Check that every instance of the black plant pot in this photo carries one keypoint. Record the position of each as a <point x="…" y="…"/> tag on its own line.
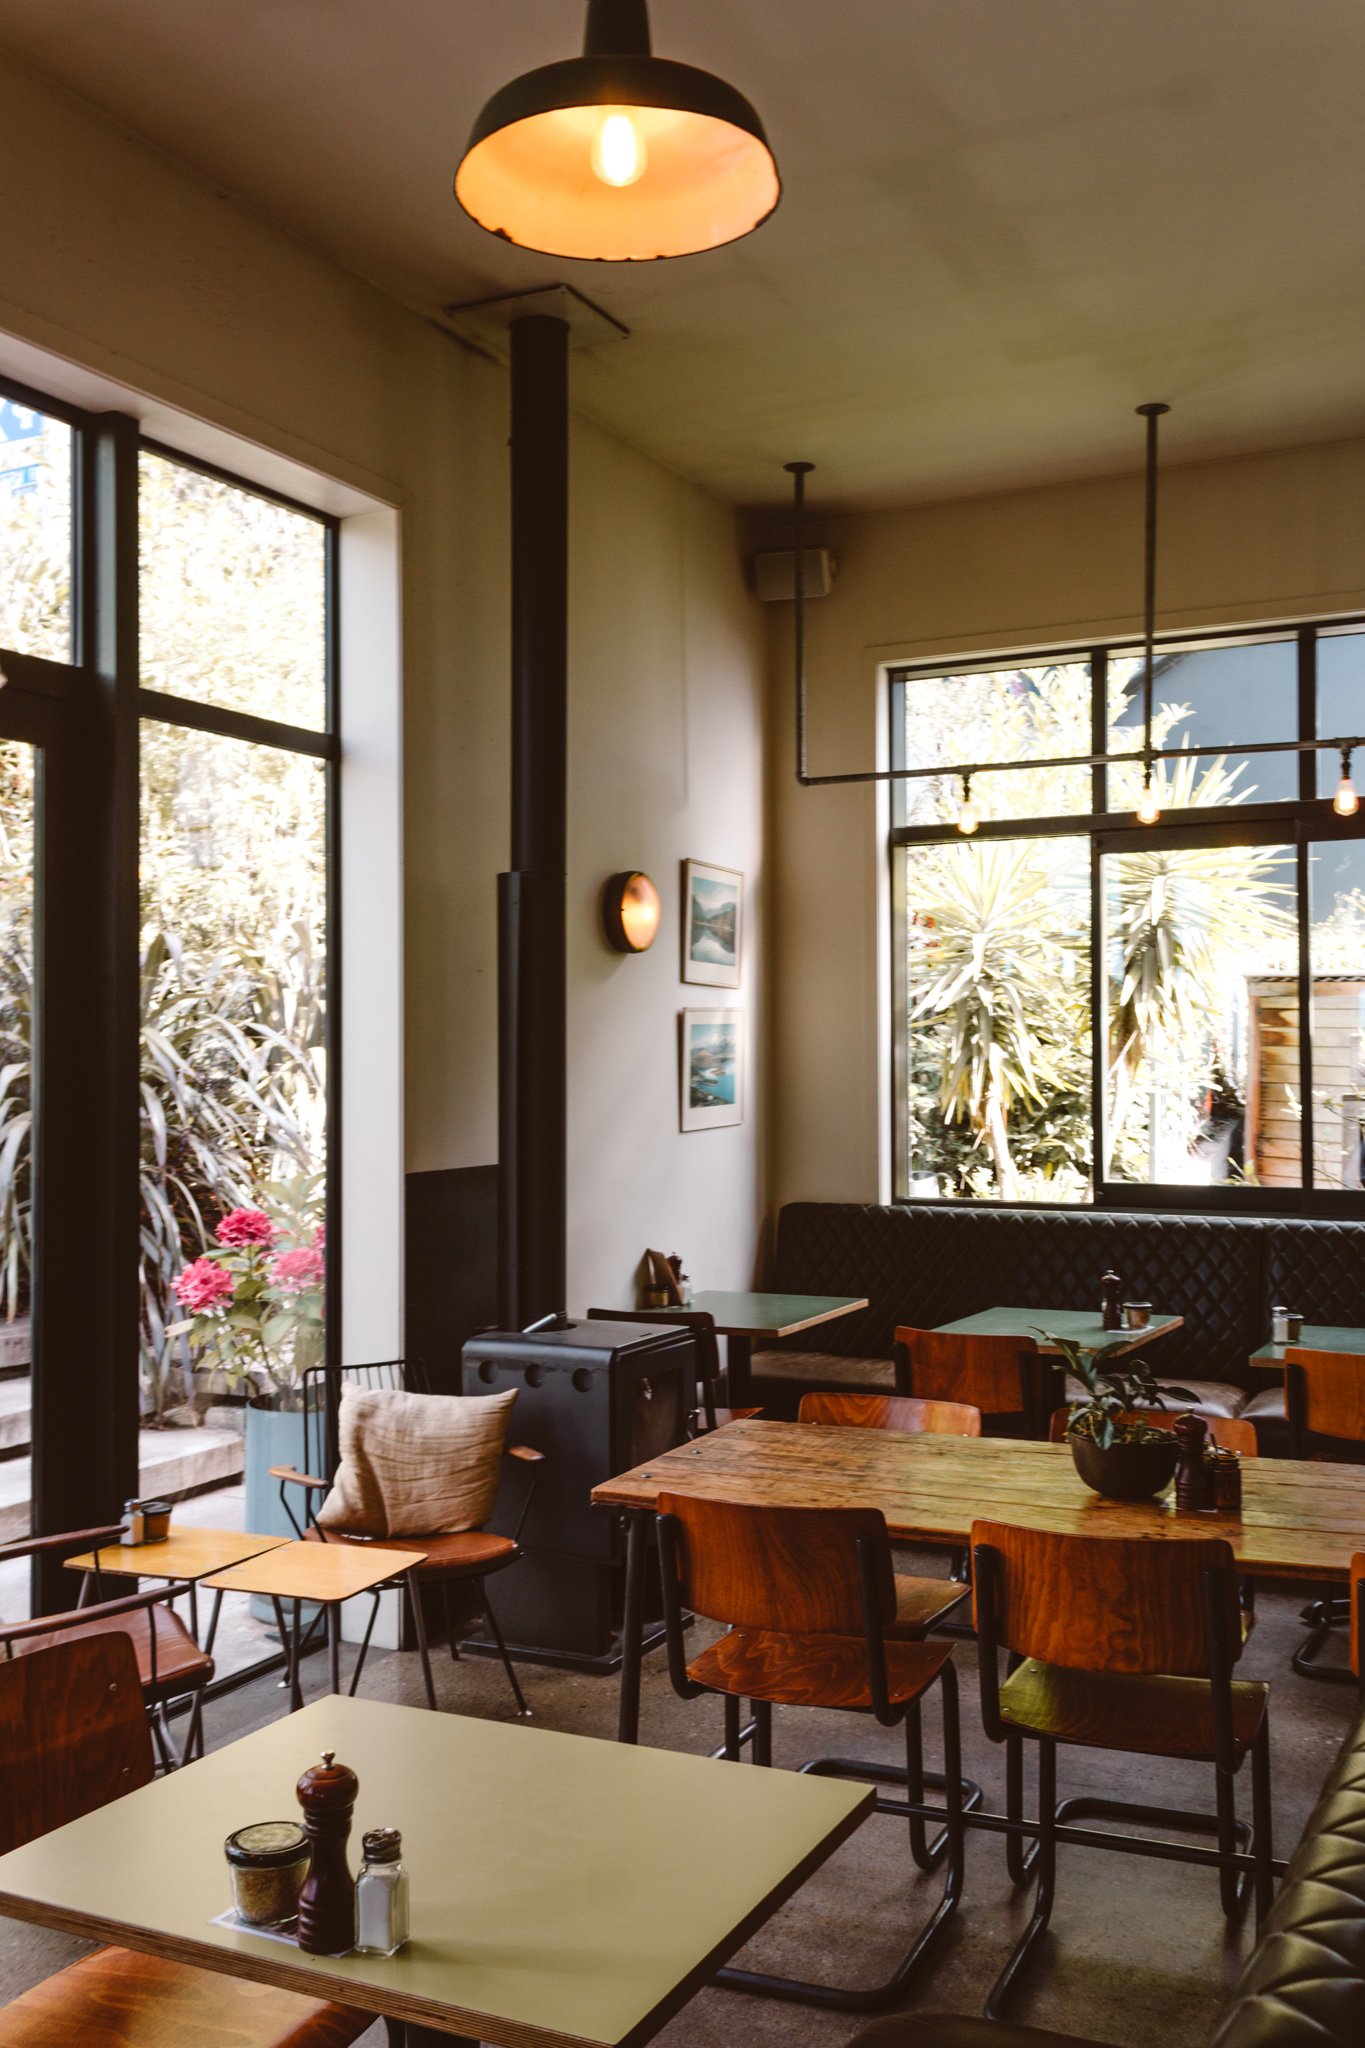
<point x="1126" y="1471"/>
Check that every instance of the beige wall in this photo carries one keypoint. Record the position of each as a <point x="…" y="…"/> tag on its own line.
<point x="1269" y="537"/>
<point x="121" y="263"/>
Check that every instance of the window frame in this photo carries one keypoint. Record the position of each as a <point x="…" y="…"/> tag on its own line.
<point x="1295" y="822"/>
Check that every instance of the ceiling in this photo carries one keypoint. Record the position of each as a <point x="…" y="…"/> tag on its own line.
<point x="1005" y="222"/>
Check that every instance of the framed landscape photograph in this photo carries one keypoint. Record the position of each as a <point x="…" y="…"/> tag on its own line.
<point x="712" y="922"/>
<point x="712" y="1069"/>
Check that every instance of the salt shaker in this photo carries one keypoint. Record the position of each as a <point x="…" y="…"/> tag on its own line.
<point x="327" y="1794"/>
<point x="1279" y="1325"/>
<point x="381" y="1895"/>
<point x="1111" y="1301"/>
<point x="1193" y="1485"/>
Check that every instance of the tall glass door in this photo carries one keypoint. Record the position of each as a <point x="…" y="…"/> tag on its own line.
<point x="18" y="798"/>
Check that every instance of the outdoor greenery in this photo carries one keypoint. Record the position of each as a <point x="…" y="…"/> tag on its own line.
<point x="233" y="967"/>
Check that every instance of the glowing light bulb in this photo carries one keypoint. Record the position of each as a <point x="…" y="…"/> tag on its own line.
<point x="968" y="818"/>
<point x="1346" y="803"/>
<point x="618" y="151"/>
<point x="1148" y="810"/>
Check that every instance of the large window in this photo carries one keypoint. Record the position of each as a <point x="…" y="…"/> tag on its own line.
<point x="1092" y="1010"/>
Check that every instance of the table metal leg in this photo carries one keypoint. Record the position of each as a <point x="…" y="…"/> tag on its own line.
<point x="334" y="1643"/>
<point x="632" y="1628"/>
<point x="739" y="1387"/>
<point x="213" y="1621"/>
<point x="296" y="1689"/>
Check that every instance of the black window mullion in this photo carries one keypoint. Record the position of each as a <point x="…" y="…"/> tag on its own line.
<point x="1305" y="977"/>
<point x="234" y="725"/>
<point x="1308" y="711"/>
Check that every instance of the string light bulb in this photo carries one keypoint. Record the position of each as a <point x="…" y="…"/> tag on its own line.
<point x="1148" y="810"/>
<point x="968" y="818"/>
<point x="1346" y="803"/>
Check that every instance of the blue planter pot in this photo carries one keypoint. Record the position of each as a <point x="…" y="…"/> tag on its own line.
<point x="273" y="1437"/>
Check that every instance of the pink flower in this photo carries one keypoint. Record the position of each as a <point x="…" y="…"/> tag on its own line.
<point x="295" y="1272"/>
<point x="320" y="1237"/>
<point x="242" y="1228"/>
<point x="203" y="1287"/>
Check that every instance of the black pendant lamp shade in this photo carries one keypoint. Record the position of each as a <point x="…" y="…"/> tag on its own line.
<point x="618" y="156"/>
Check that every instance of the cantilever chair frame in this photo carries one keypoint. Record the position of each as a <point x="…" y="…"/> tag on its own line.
<point x="871" y="1568"/>
<point x="405" y="1375"/>
<point x="1252" y="1862"/>
<point x="98" y="1610"/>
<point x="1330" y="1612"/>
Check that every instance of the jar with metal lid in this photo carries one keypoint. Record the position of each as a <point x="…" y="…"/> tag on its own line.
<point x="381" y="1894"/>
<point x="268" y="1862"/>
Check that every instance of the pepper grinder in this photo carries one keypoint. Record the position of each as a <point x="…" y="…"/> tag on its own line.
<point x="1193" y="1480"/>
<point x="1111" y="1301"/>
<point x="327" y="1794"/>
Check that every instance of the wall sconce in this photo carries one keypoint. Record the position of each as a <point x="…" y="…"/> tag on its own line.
<point x="630" y="912"/>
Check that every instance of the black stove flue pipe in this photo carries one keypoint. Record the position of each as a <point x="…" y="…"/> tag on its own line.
<point x="532" y="1193"/>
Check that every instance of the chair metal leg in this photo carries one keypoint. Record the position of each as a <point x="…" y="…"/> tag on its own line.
<point x="287" y="1646"/>
<point x="156" y="1716"/>
<point x="1263" y="1847"/>
<point x="1230" y="1887"/>
<point x="761" y="1748"/>
<point x="734" y="1707"/>
<point x="1019" y="1854"/>
<point x="878" y="1997"/>
<point x="365" y="1642"/>
<point x="419" y="1628"/>
<point x="1323" y="1617"/>
<point x="334" y="1644"/>
<point x="523" y="1711"/>
<point x="452" y="1632"/>
<point x="194" y="1733"/>
<point x="1046" y="1867"/>
<point x="925" y="1858"/>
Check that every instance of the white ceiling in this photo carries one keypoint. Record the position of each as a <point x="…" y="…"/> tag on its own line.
<point x="1005" y="222"/>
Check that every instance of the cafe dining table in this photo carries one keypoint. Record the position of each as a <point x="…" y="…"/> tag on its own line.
<point x="743" y="1317"/>
<point x="325" y="1575"/>
<point x="565" y="1892"/>
<point x="1297" y="1521"/>
<point x="187" y="1553"/>
<point x="1313" y="1337"/>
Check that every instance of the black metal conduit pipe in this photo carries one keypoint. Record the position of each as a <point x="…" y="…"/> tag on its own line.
<point x="532" y="1195"/>
<point x="799" y="471"/>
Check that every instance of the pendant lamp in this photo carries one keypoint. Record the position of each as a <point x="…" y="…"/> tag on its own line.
<point x="1148" y="808"/>
<point x="618" y="156"/>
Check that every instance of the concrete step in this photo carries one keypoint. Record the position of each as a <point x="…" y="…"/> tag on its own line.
<point x="170" y="1462"/>
<point x="15" y="1406"/>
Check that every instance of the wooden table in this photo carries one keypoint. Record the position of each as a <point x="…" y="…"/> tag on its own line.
<point x="740" y="1318"/>
<point x="1315" y="1337"/>
<point x="1297" y="1521"/>
<point x="324" y="1574"/>
<point x="187" y="1553"/>
<point x="566" y="1893"/>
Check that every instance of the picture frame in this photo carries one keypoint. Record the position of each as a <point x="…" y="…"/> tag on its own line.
<point x="711" y="1069"/>
<point x="712" y="924"/>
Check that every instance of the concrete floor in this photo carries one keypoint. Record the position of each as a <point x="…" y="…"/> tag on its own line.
<point x="1139" y="1952"/>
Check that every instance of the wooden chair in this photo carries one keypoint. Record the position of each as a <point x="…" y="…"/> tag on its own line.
<point x="809" y="1599"/>
<point x="890" y="1411"/>
<point x="1001" y="1376"/>
<point x="171" y="1666"/>
<point x="1324" y="1405"/>
<point x="452" y="1558"/>
<point x="1230" y="1433"/>
<point x="1126" y="1644"/>
<point x="706" y="1416"/>
<point x="73" y="1736"/>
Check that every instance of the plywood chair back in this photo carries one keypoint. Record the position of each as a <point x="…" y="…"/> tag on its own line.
<point x="1324" y="1394"/>
<point x="795" y="1571"/>
<point x="73" y="1734"/>
<point x="1229" y="1432"/>
<point x="986" y="1372"/>
<point x="890" y="1411"/>
<point x="1109" y="1603"/>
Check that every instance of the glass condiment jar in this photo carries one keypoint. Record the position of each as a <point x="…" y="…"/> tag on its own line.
<point x="381" y="1894"/>
<point x="268" y="1862"/>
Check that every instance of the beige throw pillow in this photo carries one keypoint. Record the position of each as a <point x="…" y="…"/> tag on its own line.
<point x="416" y="1464"/>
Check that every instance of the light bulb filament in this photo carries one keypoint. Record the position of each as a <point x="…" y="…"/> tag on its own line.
<point x="1148" y="811"/>
<point x="618" y="150"/>
<point x="967" y="818"/>
<point x="1346" y="803"/>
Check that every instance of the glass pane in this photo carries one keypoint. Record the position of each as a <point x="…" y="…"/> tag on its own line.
<point x="1336" y="895"/>
<point x="1201" y="947"/>
<point x="997" y="972"/>
<point x="1008" y="714"/>
<point x="234" y="1134"/>
<point x="16" y="1162"/>
<point x="1341" y="702"/>
<point x="232" y="592"/>
<point x="35" y="532"/>
<point x="1219" y="697"/>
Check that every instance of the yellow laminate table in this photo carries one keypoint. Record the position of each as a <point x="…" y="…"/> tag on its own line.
<point x="187" y="1553"/>
<point x="566" y="1892"/>
<point x="323" y="1574"/>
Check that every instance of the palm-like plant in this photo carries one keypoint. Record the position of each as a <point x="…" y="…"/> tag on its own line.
<point x="1180" y="915"/>
<point x="1001" y="963"/>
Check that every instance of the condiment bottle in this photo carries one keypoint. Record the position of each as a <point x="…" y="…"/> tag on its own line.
<point x="1111" y="1301"/>
<point x="381" y="1894"/>
<point x="1193" y="1487"/>
<point x="1225" y="1473"/>
<point x="327" y="1901"/>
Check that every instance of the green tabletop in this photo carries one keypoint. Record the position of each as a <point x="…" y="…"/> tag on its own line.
<point x="774" y="1315"/>
<point x="1315" y="1337"/>
<point x="564" y="1890"/>
<point x="1083" y="1326"/>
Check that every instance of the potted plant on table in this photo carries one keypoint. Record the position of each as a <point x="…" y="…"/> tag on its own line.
<point x="255" y="1315"/>
<point x="1115" y="1451"/>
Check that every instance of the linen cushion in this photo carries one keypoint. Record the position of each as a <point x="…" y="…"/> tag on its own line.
<point x="414" y="1464"/>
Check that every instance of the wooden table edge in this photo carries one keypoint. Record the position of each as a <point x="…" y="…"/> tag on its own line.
<point x="118" y="1555"/>
<point x="403" y="1560"/>
<point x="847" y="1307"/>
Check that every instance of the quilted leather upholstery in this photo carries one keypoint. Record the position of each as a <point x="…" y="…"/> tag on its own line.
<point x="928" y="1263"/>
